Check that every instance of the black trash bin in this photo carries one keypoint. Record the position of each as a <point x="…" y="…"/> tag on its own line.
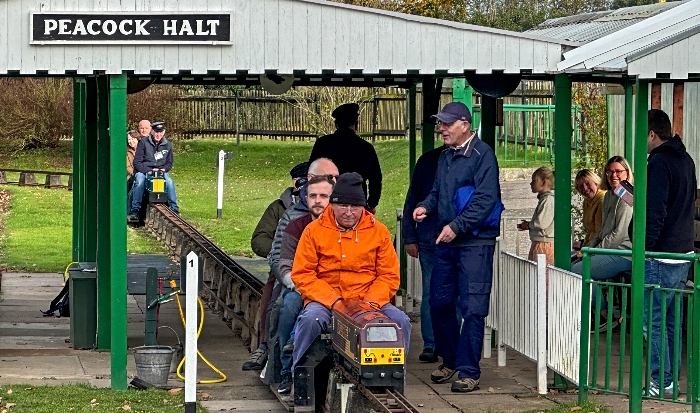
<point x="82" y="299"/>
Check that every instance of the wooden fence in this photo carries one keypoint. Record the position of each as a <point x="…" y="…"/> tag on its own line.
<point x="244" y="113"/>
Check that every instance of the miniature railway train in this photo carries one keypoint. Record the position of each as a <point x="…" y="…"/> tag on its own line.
<point x="156" y="193"/>
<point x="361" y="347"/>
<point x="363" y="342"/>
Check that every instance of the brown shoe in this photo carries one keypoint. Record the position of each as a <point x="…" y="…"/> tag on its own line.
<point x="442" y="374"/>
<point x="465" y="385"/>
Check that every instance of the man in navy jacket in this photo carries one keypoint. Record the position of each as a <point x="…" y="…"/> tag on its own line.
<point x="463" y="269"/>
<point x="419" y="239"/>
<point x="153" y="153"/>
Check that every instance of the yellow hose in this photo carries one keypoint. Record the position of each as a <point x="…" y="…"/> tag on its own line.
<point x="199" y="330"/>
<point x="65" y="273"/>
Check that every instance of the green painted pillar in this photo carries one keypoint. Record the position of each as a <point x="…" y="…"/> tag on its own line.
<point x="639" y="211"/>
<point x="463" y="92"/>
<point x="562" y="168"/>
<point x="488" y="120"/>
<point x="116" y="227"/>
<point x="629" y="122"/>
<point x="79" y="204"/>
<point x="104" y="271"/>
<point x="411" y="130"/>
<point x="90" y="173"/>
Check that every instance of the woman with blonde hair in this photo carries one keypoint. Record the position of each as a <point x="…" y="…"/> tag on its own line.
<point x="588" y="185"/>
<point x="612" y="233"/>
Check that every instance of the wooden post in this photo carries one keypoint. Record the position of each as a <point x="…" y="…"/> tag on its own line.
<point x="678" y="108"/>
<point x="656" y="95"/>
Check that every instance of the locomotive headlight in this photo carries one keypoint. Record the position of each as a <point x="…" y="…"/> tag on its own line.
<point x="381" y="333"/>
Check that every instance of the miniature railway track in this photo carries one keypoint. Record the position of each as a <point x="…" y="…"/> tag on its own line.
<point x="230" y="289"/>
<point x="385" y="400"/>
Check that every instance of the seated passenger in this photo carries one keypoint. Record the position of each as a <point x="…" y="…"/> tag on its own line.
<point x="612" y="233"/>
<point x="318" y="193"/>
<point x="588" y="185"/>
<point x="153" y="153"/>
<point x="345" y="254"/>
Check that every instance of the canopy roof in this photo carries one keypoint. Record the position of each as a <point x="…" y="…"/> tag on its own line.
<point x="306" y="38"/>
<point x="666" y="45"/>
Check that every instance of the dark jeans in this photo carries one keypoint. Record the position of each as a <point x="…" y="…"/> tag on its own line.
<point x="461" y="279"/>
<point x="292" y="305"/>
<point x="667" y="276"/>
<point x="427" y="259"/>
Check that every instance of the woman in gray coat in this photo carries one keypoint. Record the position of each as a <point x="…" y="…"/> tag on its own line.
<point x="612" y="233"/>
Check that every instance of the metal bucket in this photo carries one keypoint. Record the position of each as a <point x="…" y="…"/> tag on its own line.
<point x="153" y="364"/>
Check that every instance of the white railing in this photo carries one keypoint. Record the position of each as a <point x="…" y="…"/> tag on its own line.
<point x="564" y="324"/>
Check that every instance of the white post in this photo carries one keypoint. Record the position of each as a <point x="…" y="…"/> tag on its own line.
<point x="541" y="324"/>
<point x="220" y="193"/>
<point x="191" y="333"/>
<point x="487" y="343"/>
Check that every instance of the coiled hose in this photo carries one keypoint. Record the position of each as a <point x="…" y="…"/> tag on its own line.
<point x="199" y="330"/>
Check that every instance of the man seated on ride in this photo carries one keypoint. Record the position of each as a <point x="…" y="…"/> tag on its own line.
<point x="346" y="254"/>
<point x="154" y="153"/>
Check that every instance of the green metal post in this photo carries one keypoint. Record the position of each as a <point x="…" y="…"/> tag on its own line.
<point x="117" y="227"/>
<point x="411" y="130"/>
<point x="78" y="177"/>
<point x="562" y="167"/>
<point x="488" y="121"/>
<point x="629" y="125"/>
<point x="463" y="92"/>
<point x="694" y="376"/>
<point x="90" y="175"/>
<point x="104" y="291"/>
<point x="638" y="243"/>
<point x="152" y="293"/>
<point x="585" y="328"/>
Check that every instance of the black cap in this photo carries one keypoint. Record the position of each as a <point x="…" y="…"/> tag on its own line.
<point x="300" y="171"/>
<point x="348" y="190"/>
<point x="347" y="112"/>
<point x="158" y="126"/>
<point x="453" y="112"/>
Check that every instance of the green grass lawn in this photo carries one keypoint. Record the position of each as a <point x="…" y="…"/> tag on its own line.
<point x="38" y="236"/>
<point x="84" y="398"/>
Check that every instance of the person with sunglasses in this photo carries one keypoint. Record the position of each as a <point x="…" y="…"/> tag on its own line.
<point x="346" y="254"/>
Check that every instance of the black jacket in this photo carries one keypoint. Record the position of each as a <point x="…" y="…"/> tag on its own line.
<point x="151" y="156"/>
<point x="350" y="153"/>
<point x="671" y="192"/>
<point x="422" y="233"/>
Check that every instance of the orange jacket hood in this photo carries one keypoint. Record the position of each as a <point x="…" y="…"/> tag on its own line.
<point x="331" y="263"/>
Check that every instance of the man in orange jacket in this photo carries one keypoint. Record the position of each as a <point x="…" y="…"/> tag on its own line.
<point x="346" y="254"/>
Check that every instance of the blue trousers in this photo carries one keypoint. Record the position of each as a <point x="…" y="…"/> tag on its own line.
<point x="603" y="267"/>
<point x="288" y="315"/>
<point x="427" y="259"/>
<point x="140" y="186"/>
<point x="461" y="278"/>
<point x="667" y="276"/>
<point x="316" y="318"/>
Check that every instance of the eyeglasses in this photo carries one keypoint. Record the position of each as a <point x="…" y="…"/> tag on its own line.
<point x="447" y="124"/>
<point x="346" y="207"/>
<point x="616" y="171"/>
<point x="328" y="176"/>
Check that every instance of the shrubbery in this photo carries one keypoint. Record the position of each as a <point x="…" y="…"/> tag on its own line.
<point x="38" y="113"/>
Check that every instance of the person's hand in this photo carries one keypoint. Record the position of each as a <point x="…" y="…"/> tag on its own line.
<point x="579" y="254"/>
<point x="412" y="250"/>
<point x="447" y="235"/>
<point x="419" y="214"/>
<point x="150" y="173"/>
<point x="524" y="226"/>
<point x="336" y="303"/>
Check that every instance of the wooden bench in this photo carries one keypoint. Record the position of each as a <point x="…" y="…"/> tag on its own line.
<point x="28" y="178"/>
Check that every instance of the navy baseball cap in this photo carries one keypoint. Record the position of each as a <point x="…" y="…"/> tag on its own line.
<point x="158" y="126"/>
<point x="453" y="112"/>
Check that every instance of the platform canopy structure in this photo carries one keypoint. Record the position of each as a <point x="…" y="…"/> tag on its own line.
<point x="113" y="47"/>
<point x="664" y="48"/>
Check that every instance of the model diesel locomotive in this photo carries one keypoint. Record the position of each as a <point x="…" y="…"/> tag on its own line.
<point x="370" y="343"/>
<point x="364" y="342"/>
